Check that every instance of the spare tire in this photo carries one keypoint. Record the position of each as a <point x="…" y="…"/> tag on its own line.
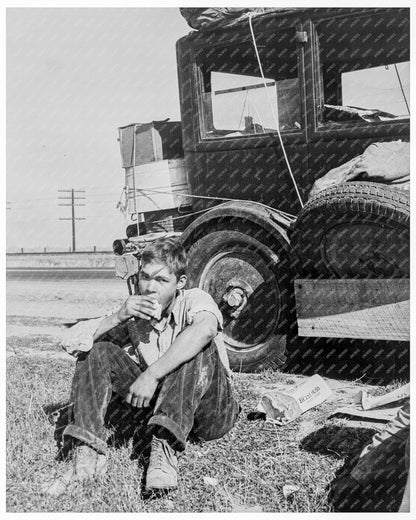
<point x="354" y="230"/>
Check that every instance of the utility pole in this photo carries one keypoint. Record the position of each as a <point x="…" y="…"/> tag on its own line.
<point x="72" y="198"/>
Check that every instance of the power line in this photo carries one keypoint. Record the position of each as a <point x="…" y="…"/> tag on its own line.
<point x="92" y="195"/>
<point x="49" y="204"/>
<point x="50" y="219"/>
<point x="72" y="198"/>
<point x="34" y="219"/>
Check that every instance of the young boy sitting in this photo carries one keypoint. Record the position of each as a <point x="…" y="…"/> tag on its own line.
<point x="162" y="351"/>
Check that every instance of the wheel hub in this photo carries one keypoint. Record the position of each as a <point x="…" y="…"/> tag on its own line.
<point x="236" y="296"/>
<point x="246" y="290"/>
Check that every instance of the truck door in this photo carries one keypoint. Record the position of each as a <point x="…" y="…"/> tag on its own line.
<point x="234" y="150"/>
<point x="358" y="85"/>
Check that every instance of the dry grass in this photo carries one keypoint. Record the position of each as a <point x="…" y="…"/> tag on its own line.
<point x="250" y="465"/>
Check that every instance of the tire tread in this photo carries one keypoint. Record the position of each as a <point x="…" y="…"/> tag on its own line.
<point x="380" y="203"/>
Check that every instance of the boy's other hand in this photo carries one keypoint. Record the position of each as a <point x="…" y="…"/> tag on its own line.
<point x="142" y="390"/>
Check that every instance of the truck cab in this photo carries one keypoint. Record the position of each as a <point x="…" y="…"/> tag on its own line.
<point x="316" y="64"/>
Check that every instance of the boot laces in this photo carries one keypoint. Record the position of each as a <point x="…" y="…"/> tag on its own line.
<point x="162" y="453"/>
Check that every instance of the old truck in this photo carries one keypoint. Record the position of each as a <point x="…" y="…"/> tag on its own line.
<point x="269" y="104"/>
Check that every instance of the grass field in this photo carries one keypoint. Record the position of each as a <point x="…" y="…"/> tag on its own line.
<point x="250" y="465"/>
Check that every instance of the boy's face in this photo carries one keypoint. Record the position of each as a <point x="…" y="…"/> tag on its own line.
<point x="156" y="281"/>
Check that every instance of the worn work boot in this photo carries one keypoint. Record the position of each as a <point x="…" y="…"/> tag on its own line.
<point x="162" y="473"/>
<point x="87" y="464"/>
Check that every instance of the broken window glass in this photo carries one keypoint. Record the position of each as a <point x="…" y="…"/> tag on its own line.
<point x="363" y="72"/>
<point x="235" y="100"/>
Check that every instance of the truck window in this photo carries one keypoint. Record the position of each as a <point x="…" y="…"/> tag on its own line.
<point x="235" y="101"/>
<point x="363" y="72"/>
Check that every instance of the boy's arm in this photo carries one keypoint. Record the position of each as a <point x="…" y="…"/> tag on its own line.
<point x="186" y="346"/>
<point x="135" y="306"/>
<point x="82" y="336"/>
<point x="108" y="323"/>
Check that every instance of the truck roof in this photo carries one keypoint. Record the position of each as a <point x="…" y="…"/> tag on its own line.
<point x="284" y="17"/>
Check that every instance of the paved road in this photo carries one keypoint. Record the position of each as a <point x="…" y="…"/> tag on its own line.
<point x="64" y="273"/>
<point x="64" y="298"/>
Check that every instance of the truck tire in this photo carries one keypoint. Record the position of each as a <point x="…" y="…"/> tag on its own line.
<point x="354" y="230"/>
<point x="232" y="265"/>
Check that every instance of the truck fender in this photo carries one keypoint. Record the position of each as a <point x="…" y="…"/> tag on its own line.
<point x="271" y="220"/>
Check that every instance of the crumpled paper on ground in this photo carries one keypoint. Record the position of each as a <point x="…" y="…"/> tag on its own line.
<point x="282" y="408"/>
<point x="381" y="408"/>
<point x="370" y="402"/>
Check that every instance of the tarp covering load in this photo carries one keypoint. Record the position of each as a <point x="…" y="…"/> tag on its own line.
<point x="208" y="18"/>
<point x="388" y="163"/>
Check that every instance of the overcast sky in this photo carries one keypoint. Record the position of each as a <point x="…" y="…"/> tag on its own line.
<point x="74" y="75"/>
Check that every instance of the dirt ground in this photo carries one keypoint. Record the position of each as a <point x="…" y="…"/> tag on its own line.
<point x="63" y="299"/>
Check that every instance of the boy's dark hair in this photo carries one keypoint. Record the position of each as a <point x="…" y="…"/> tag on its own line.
<point x="167" y="251"/>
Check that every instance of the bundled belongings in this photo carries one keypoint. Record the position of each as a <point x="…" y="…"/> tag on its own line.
<point x="208" y="18"/>
<point x="380" y="479"/>
<point x="387" y="163"/>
